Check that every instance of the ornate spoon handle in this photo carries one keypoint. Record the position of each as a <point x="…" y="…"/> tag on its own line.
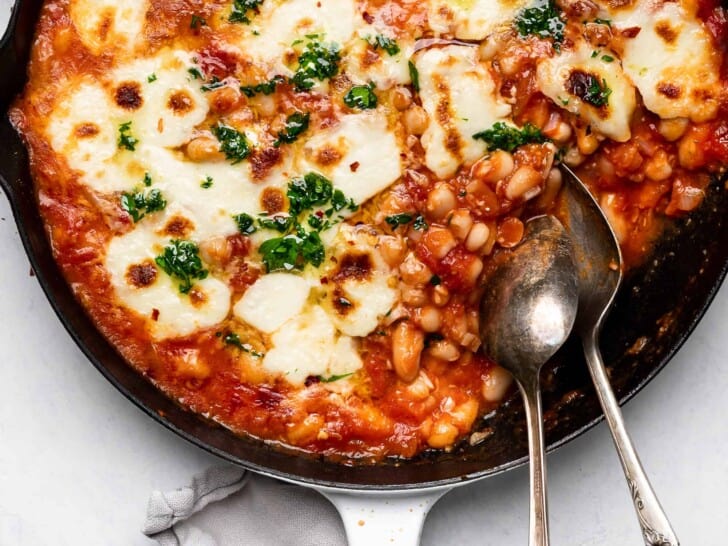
<point x="656" y="529"/>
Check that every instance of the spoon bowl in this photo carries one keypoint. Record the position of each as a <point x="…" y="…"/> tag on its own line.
<point x="527" y="312"/>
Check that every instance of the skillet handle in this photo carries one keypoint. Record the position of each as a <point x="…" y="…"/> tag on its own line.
<point x="383" y="518"/>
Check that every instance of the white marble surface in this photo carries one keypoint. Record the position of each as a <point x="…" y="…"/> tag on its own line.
<point x="77" y="461"/>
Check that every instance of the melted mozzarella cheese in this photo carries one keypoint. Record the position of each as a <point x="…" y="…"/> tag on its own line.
<point x="369" y="298"/>
<point x="108" y="24"/>
<point x="178" y="314"/>
<point x="280" y="24"/>
<point x="157" y="122"/>
<point x="82" y="128"/>
<point x="385" y="70"/>
<point x="307" y="345"/>
<point x="272" y="300"/>
<point x="360" y="155"/>
<point x="459" y="96"/>
<point x="556" y="76"/>
<point x="672" y="60"/>
<point x="472" y="19"/>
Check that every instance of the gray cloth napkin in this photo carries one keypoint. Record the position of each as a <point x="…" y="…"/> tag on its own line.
<point x="229" y="506"/>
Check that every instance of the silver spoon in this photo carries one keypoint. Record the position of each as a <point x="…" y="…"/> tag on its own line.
<point x="599" y="262"/>
<point x="527" y="312"/>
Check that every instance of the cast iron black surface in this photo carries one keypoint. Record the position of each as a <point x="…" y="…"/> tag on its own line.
<point x="658" y="307"/>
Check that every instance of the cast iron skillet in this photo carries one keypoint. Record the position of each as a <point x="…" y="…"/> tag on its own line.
<point x="657" y="308"/>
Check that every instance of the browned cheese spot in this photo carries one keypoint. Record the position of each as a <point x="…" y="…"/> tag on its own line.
<point x="180" y="102"/>
<point x="341" y="302"/>
<point x="272" y="200"/>
<point x="670" y="90"/>
<point x="178" y="226"/>
<point x="579" y="84"/>
<point x="86" y="130"/>
<point x="354" y="266"/>
<point x="262" y="161"/>
<point x="129" y="95"/>
<point x="328" y="155"/>
<point x="666" y="32"/>
<point x="197" y="297"/>
<point x="141" y="275"/>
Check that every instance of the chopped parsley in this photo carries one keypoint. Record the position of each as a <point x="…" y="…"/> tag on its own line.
<point x="292" y="251"/>
<point x="181" y="260"/>
<point x="279" y="222"/>
<point x="607" y="58"/>
<point x="151" y="78"/>
<point x="206" y="183"/>
<point x="296" y="124"/>
<point x="139" y="204"/>
<point x="588" y="88"/>
<point x="607" y="22"/>
<point x="387" y="44"/>
<point x="215" y="83"/>
<point x="420" y="224"/>
<point x="414" y="75"/>
<point x="126" y="141"/>
<point x="266" y="88"/>
<point x="197" y="22"/>
<point x="245" y="223"/>
<point x="233" y="143"/>
<point x="308" y="191"/>
<point x="362" y="97"/>
<point x="239" y="14"/>
<point x="318" y="61"/>
<point x="195" y="73"/>
<point x="297" y="247"/>
<point x="396" y="220"/>
<point x="333" y="378"/>
<point x="543" y="20"/>
<point x="147" y="179"/>
<point x="233" y="339"/>
<point x="508" y="138"/>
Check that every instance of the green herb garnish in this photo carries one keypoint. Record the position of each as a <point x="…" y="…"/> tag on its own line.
<point x="588" y="88"/>
<point x="508" y="138"/>
<point x="139" y="204"/>
<point x="333" y="378"/>
<point x="607" y="58"/>
<point x="234" y="340"/>
<point x="318" y="61"/>
<point x="241" y="8"/>
<point x="147" y="179"/>
<point x="362" y="97"/>
<point x="126" y="141"/>
<point x="245" y="223"/>
<point x="607" y="22"/>
<point x="279" y="222"/>
<point x="296" y="124"/>
<point x="292" y="251"/>
<point x="267" y="88"/>
<point x="197" y="22"/>
<point x="181" y="260"/>
<point x="213" y="84"/>
<point x="543" y="20"/>
<point x="414" y="75"/>
<point x="308" y="191"/>
<point x="387" y="44"/>
<point x="195" y="73"/>
<point x="420" y="224"/>
<point x="396" y="220"/>
<point x="206" y="183"/>
<point x="151" y="78"/>
<point x="233" y="143"/>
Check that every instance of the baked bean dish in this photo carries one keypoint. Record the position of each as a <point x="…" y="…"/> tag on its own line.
<point x="280" y="211"/>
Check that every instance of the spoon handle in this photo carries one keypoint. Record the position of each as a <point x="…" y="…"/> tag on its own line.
<point x="538" y="534"/>
<point x="656" y="529"/>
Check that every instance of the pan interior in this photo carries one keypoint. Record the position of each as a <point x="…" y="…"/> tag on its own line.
<point x="658" y="306"/>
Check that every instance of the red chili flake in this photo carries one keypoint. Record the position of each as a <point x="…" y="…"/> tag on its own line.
<point x="354" y="166"/>
<point x="155" y="314"/>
